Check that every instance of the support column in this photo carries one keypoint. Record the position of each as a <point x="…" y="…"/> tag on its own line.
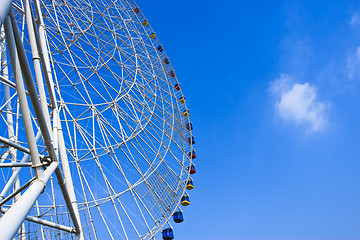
<point x="36" y="61"/>
<point x="4" y="9"/>
<point x="11" y="133"/>
<point x="44" y="56"/>
<point x="20" y="89"/>
<point x="15" y="216"/>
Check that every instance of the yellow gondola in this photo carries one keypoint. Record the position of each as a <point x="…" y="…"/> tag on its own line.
<point x="182" y="99"/>
<point x="145" y="23"/>
<point x="153" y="36"/>
<point x="186" y="113"/>
<point x="189" y="185"/>
<point x="185" y="201"/>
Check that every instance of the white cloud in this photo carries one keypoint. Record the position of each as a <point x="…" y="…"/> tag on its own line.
<point x="355" y="20"/>
<point x="296" y="102"/>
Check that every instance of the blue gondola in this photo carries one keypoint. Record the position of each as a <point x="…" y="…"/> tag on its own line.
<point x="160" y="48"/>
<point x="178" y="217"/>
<point x="166" y="61"/>
<point x="167" y="234"/>
<point x="191" y="140"/>
<point x="189" y="126"/>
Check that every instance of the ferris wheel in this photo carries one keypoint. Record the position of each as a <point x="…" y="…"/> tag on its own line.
<point x="96" y="140"/>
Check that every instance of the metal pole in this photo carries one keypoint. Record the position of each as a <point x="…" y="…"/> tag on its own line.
<point x="46" y="223"/>
<point x="65" y="193"/>
<point x="9" y="83"/>
<point x="14" y="217"/>
<point x="22" y="188"/>
<point x="25" y="68"/>
<point x="10" y="125"/>
<point x="15" y="165"/>
<point x="14" y="145"/>
<point x="20" y="89"/>
<point x="17" y="171"/>
<point x="50" y="224"/>
<point x="67" y="175"/>
<point x="44" y="56"/>
<point x="36" y="60"/>
<point x="4" y="9"/>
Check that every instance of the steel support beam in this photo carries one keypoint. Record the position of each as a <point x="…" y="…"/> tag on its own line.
<point x="7" y="82"/>
<point x="45" y="62"/>
<point x="4" y="9"/>
<point x="20" y="89"/>
<point x="19" y="190"/>
<point x="21" y="65"/>
<point x="46" y="223"/>
<point x="7" y="165"/>
<point x="68" y="178"/>
<point x="14" y="217"/>
<point x="50" y="224"/>
<point x="14" y="145"/>
<point x="26" y="71"/>
<point x="19" y="147"/>
<point x="16" y="173"/>
<point x="37" y="65"/>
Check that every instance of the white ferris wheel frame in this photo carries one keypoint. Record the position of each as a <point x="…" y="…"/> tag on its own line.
<point x="52" y="134"/>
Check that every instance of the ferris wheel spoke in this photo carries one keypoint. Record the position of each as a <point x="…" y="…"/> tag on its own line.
<point x="111" y="192"/>
<point x="85" y="198"/>
<point x="108" y="41"/>
<point x="155" y="151"/>
<point x="133" y="161"/>
<point x="94" y="199"/>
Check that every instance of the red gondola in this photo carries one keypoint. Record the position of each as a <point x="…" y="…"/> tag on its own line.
<point x="172" y="74"/>
<point x="177" y="87"/>
<point x="192" y="169"/>
<point x="137" y="10"/>
<point x="192" y="154"/>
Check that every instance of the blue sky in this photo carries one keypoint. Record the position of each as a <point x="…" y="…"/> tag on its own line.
<point x="273" y="88"/>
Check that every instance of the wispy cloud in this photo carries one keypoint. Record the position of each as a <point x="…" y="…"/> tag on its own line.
<point x="297" y="103"/>
<point x="355" y="20"/>
<point x="353" y="63"/>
